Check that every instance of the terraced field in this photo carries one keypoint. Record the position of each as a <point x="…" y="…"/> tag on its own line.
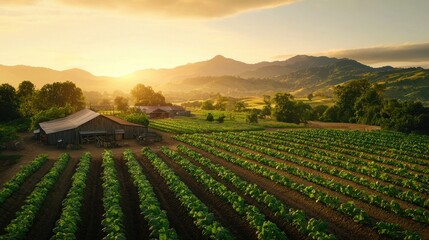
<point x="293" y="184"/>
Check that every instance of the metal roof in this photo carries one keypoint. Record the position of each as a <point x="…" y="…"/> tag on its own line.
<point x="70" y="122"/>
<point x="122" y="121"/>
<point x="150" y="109"/>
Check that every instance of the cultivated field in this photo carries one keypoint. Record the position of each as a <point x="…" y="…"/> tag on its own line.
<point x="291" y="184"/>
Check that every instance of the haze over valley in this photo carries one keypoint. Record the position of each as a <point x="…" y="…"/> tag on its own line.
<point x="299" y="75"/>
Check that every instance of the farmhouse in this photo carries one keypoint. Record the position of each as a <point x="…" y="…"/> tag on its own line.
<point x="80" y="126"/>
<point x="164" y="111"/>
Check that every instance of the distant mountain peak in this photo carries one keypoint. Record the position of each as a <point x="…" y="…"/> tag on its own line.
<point x="218" y="57"/>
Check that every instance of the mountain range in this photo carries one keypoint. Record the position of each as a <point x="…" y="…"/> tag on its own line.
<point x="299" y="75"/>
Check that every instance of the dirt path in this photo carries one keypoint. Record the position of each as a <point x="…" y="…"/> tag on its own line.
<point x="92" y="206"/>
<point x="344" y="126"/>
<point x="176" y="213"/>
<point x="136" y="226"/>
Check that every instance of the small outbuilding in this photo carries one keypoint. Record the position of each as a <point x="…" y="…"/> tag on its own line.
<point x="84" y="125"/>
<point x="164" y="111"/>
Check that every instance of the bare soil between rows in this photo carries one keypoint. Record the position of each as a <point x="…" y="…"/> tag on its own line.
<point x="136" y="227"/>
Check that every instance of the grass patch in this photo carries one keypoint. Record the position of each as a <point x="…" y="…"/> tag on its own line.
<point x="274" y="124"/>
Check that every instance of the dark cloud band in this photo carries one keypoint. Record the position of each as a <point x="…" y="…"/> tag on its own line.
<point x="399" y="53"/>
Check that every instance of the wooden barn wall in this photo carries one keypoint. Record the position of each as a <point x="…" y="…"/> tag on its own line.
<point x="131" y="131"/>
<point x="99" y="123"/>
<point x="68" y="136"/>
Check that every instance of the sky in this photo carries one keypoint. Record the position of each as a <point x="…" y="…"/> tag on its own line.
<point x="118" y="37"/>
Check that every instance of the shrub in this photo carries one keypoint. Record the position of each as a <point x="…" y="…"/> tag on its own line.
<point x="221" y="119"/>
<point x="210" y="117"/>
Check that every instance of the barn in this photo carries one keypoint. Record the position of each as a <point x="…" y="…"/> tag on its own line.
<point x="84" y="124"/>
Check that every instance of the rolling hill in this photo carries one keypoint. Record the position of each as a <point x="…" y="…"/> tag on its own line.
<point x="299" y="75"/>
<point x="41" y="76"/>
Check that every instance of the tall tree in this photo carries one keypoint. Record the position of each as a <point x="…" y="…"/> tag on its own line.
<point x="239" y="106"/>
<point x="26" y="95"/>
<point x="143" y="95"/>
<point x="288" y="110"/>
<point x="347" y="96"/>
<point x="207" y="105"/>
<point x="59" y="95"/>
<point x="8" y="103"/>
<point x="105" y="104"/>
<point x="266" y="109"/>
<point x="26" y="89"/>
<point x="369" y="105"/>
<point x="121" y="103"/>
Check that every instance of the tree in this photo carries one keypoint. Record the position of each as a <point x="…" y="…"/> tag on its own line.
<point x="331" y="114"/>
<point x="25" y="89"/>
<point x="8" y="103"/>
<point x="26" y="95"/>
<point x="408" y="116"/>
<point x="362" y="102"/>
<point x="146" y="96"/>
<point x="347" y="96"/>
<point x="50" y="114"/>
<point x="59" y="94"/>
<point x="207" y="105"/>
<point x="239" y="106"/>
<point x="317" y="112"/>
<point x="105" y="104"/>
<point x="369" y="105"/>
<point x="7" y="134"/>
<point x="288" y="110"/>
<point x="121" y="103"/>
<point x="252" y="117"/>
<point x="266" y="109"/>
<point x="220" y="103"/>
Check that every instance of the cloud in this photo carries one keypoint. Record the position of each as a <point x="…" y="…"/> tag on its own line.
<point x="181" y="8"/>
<point x="17" y="2"/>
<point x="418" y="52"/>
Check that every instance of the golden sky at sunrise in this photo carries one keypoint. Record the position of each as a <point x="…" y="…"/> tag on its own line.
<point x="114" y="37"/>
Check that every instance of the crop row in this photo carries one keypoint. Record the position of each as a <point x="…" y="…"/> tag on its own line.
<point x="359" y="157"/>
<point x="19" y="178"/>
<point x="365" y="149"/>
<point x="399" y="145"/>
<point x="265" y="229"/>
<point x="397" y="176"/>
<point x="417" y="214"/>
<point x="113" y="217"/>
<point x="200" y="126"/>
<point x="314" y="228"/>
<point x="67" y="225"/>
<point x="149" y="205"/>
<point x="348" y="208"/>
<point x="203" y="218"/>
<point x="267" y="146"/>
<point x="19" y="226"/>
